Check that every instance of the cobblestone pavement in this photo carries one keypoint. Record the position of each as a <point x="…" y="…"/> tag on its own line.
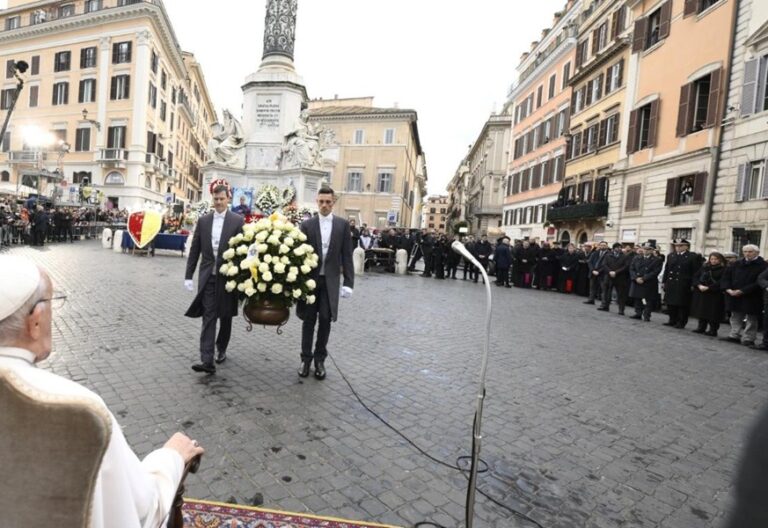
<point x="591" y="419"/>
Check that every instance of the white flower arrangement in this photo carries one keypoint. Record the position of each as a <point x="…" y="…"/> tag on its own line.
<point x="269" y="260"/>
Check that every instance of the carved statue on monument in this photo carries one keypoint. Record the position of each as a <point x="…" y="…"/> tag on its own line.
<point x="280" y="27"/>
<point x="225" y="147"/>
<point x="301" y="148"/>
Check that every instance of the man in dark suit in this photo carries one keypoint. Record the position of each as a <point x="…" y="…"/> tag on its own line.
<point x="212" y="300"/>
<point x="331" y="238"/>
<point x="680" y="267"/>
<point x="644" y="276"/>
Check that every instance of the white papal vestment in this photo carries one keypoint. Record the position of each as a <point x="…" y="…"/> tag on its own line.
<point x="129" y="493"/>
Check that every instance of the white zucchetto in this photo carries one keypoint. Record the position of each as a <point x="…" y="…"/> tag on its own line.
<point x="19" y="279"/>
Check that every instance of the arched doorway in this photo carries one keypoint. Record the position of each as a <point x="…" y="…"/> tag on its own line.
<point x="565" y="238"/>
<point x="583" y="238"/>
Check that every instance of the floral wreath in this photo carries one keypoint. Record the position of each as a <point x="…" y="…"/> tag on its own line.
<point x="289" y="195"/>
<point x="269" y="199"/>
<point x="220" y="181"/>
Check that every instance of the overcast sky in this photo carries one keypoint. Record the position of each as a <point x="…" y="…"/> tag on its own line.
<point x="450" y="60"/>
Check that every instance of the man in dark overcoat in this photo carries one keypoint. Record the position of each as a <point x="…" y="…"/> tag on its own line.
<point x="595" y="267"/>
<point x="502" y="256"/>
<point x="744" y="295"/>
<point x="615" y="271"/>
<point x="212" y="301"/>
<point x="679" y="270"/>
<point x="483" y="251"/>
<point x="644" y="281"/>
<point x="331" y="238"/>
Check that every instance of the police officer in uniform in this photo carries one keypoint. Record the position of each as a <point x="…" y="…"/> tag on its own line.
<point x="678" y="281"/>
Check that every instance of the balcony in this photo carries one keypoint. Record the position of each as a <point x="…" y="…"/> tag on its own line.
<point x="112" y="156"/>
<point x="25" y="156"/>
<point x="580" y="211"/>
<point x="152" y="162"/>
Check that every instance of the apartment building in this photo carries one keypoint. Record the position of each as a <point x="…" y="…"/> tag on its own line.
<point x="435" y="214"/>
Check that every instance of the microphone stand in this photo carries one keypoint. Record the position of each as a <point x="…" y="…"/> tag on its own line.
<point x="459" y="248"/>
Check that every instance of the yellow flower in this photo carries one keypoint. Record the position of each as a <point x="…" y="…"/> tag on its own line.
<point x="274" y="216"/>
<point x="255" y="273"/>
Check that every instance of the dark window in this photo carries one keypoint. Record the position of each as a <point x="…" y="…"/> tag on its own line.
<point x="5" y="175"/>
<point x="10" y="68"/>
<point x="6" y="96"/>
<point x="88" y="57"/>
<point x="644" y="127"/>
<point x="163" y="109"/>
<point x="633" y="197"/>
<point x="116" y="137"/>
<point x="7" y="142"/>
<point x="12" y="23"/>
<point x="643" y="124"/>
<point x="694" y="7"/>
<point x="121" y="52"/>
<point x="752" y="181"/>
<point x="60" y="93"/>
<point x="742" y="237"/>
<point x="566" y="74"/>
<point x="92" y="5"/>
<point x="154" y="61"/>
<point x="66" y="10"/>
<point x="163" y="80"/>
<point x="83" y="139"/>
<point x="87" y="92"/>
<point x="651" y="29"/>
<point x="699" y="104"/>
<point x="654" y="26"/>
<point x="120" y="87"/>
<point x="34" y="67"/>
<point x="539" y="94"/>
<point x="61" y="61"/>
<point x="152" y="95"/>
<point x="686" y="190"/>
<point x="552" y="83"/>
<point x="34" y="92"/>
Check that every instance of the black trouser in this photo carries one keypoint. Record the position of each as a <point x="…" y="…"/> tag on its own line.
<point x="678" y="315"/>
<point x="621" y="291"/>
<point x="208" y="333"/>
<point x="595" y="287"/>
<point x="714" y="326"/>
<point x="644" y="307"/>
<point x="414" y="258"/>
<point x="321" y="310"/>
<point x="468" y="268"/>
<point x="502" y="276"/>
<point x="484" y="264"/>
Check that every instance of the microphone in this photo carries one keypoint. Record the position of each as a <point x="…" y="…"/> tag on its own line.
<point x="459" y="248"/>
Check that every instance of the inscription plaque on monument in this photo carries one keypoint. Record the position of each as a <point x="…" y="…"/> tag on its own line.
<point x="268" y="111"/>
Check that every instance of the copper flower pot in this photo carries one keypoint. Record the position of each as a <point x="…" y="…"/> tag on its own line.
<point x="266" y="312"/>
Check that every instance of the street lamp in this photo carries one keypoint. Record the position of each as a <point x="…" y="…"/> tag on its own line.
<point x="91" y="121"/>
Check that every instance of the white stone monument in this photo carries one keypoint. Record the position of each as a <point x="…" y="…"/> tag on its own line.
<point x="275" y="145"/>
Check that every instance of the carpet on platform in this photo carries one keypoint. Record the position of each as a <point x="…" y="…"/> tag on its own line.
<point x="205" y="514"/>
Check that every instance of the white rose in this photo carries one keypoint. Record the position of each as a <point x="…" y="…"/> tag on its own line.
<point x="283" y="249"/>
<point x="248" y="236"/>
<point x="242" y="250"/>
<point x="278" y="225"/>
<point x="288" y="241"/>
<point x="310" y="299"/>
<point x="241" y="287"/>
<point x="249" y="291"/>
<point x="311" y="284"/>
<point x="261" y="236"/>
<point x="230" y="286"/>
<point x="232" y="271"/>
<point x="276" y="288"/>
<point x="299" y="251"/>
<point x="223" y="269"/>
<point x="232" y="242"/>
<point x="302" y="238"/>
<point x="285" y="260"/>
<point x="264" y="223"/>
<point x="293" y="270"/>
<point x="239" y="237"/>
<point x="263" y="267"/>
<point x="248" y="283"/>
<point x="296" y="294"/>
<point x="262" y="287"/>
<point x="291" y="277"/>
<point x="279" y="267"/>
<point x="267" y="258"/>
<point x="273" y="240"/>
<point x="245" y="264"/>
<point x="305" y="269"/>
<point x="266" y="276"/>
<point x="228" y="254"/>
<point x="276" y="233"/>
<point x="262" y="248"/>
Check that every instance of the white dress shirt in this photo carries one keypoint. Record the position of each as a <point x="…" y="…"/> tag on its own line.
<point x="218" y="225"/>
<point x="326" y="228"/>
<point x="129" y="493"/>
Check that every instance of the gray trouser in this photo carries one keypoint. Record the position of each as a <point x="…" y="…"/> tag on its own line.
<point x="750" y="330"/>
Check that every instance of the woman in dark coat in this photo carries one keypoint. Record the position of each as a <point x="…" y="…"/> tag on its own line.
<point x="708" y="303"/>
<point x="569" y="265"/>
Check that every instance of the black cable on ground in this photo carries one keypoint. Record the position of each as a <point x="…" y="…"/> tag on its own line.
<point x="456" y="467"/>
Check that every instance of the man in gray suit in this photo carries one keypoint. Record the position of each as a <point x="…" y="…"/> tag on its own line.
<point x="212" y="300"/>
<point x="331" y="238"/>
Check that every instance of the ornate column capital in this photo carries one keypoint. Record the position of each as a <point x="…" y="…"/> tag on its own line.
<point x="280" y="28"/>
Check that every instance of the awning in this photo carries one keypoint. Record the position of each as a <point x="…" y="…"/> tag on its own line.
<point x="22" y="190"/>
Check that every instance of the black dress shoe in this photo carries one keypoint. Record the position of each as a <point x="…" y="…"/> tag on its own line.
<point x="319" y="370"/>
<point x="602" y="309"/>
<point x="589" y="302"/>
<point x="221" y="357"/>
<point x="203" y="367"/>
<point x="698" y="330"/>
<point x="621" y="312"/>
<point x="636" y="316"/>
<point x="304" y="369"/>
<point x="670" y="323"/>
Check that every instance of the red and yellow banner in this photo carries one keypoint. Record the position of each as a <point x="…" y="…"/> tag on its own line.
<point x="143" y="226"/>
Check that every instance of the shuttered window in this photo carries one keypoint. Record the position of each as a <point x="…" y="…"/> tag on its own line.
<point x="651" y="29"/>
<point x="633" y="197"/>
<point x="686" y="190"/>
<point x="643" y="124"/>
<point x="699" y="103"/>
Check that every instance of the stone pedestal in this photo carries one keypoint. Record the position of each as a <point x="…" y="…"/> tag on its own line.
<point x="118" y="236"/>
<point x="401" y="262"/>
<point x="358" y="260"/>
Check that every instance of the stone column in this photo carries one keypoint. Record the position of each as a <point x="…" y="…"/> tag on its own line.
<point x="102" y="90"/>
<point x="139" y="90"/>
<point x="279" y="30"/>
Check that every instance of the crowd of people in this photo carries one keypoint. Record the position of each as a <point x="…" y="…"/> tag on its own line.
<point x="36" y="223"/>
<point x="722" y="288"/>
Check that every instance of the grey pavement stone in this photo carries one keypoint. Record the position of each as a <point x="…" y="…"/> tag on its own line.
<point x="590" y="419"/>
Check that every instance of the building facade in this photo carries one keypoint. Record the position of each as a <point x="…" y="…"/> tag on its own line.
<point x="673" y="115"/>
<point x="457" y="197"/>
<point x="539" y="105"/>
<point x="379" y="172"/>
<point x="597" y="98"/>
<point x="435" y="214"/>
<point x="487" y="169"/>
<point x="740" y="211"/>
<point x="110" y="102"/>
